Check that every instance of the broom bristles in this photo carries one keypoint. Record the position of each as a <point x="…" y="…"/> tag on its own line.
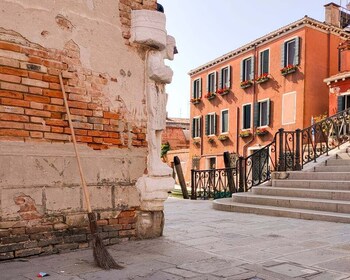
<point x="101" y="256"/>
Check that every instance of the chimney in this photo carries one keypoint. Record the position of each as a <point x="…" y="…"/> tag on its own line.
<point x="344" y="49"/>
<point x="332" y="14"/>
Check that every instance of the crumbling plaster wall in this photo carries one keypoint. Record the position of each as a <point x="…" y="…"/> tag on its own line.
<point x="40" y="193"/>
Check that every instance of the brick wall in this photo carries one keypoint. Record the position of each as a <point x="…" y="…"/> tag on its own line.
<point x="31" y="100"/>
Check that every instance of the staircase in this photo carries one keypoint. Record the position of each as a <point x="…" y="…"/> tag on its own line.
<point x="320" y="193"/>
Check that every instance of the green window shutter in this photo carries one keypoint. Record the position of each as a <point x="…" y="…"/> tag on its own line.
<point x="256" y="114"/>
<point x="283" y="47"/>
<point x="215" y="122"/>
<point x="242" y="61"/>
<point x="297" y="48"/>
<point x="341" y="103"/>
<point x="251" y="74"/>
<point x="200" y="127"/>
<point x="207" y="89"/>
<point x="228" y="84"/>
<point x="200" y="87"/>
<point x="266" y="62"/>
<point x="268" y="111"/>
<point x="206" y="124"/>
<point x="193" y="128"/>
<point x="220" y="78"/>
<point x="215" y="81"/>
<point x="193" y="82"/>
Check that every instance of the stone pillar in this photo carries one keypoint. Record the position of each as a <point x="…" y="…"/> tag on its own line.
<point x="148" y="30"/>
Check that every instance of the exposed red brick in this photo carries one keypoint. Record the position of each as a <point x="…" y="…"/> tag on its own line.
<point x="112" y="141"/>
<point x="37" y="127"/>
<point x="98" y="120"/>
<point x="98" y="146"/>
<point x="35" y="75"/>
<point x="35" y="59"/>
<point x="35" y="83"/>
<point x="54" y="122"/>
<point x="35" y="52"/>
<point x="11" y="94"/>
<point x="78" y="90"/>
<point x="13" y="117"/>
<point x="77" y="104"/>
<point x="14" y="87"/>
<point x="83" y="98"/>
<point x="54" y="86"/>
<point x="82" y="132"/>
<point x="55" y="108"/>
<point x="13" y="132"/>
<point x="57" y="101"/>
<point x="15" y="102"/>
<point x="51" y="79"/>
<point x="57" y="129"/>
<point x="14" y="71"/>
<point x="114" y="135"/>
<point x="97" y="140"/>
<point x="98" y="133"/>
<point x="38" y="113"/>
<point x="54" y="64"/>
<point x="81" y="112"/>
<point x="53" y="93"/>
<point x="112" y="128"/>
<point x="36" y="105"/>
<point x="37" y="120"/>
<point x="110" y="115"/>
<point x="10" y="47"/>
<point x="85" y="139"/>
<point x="56" y="115"/>
<point x="17" y="125"/>
<point x="10" y="78"/>
<point x="35" y="90"/>
<point x="57" y="136"/>
<point x="36" y="134"/>
<point x="37" y="98"/>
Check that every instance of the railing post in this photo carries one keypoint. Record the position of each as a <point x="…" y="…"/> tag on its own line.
<point x="228" y="167"/>
<point x="193" y="191"/>
<point x="297" y="150"/>
<point x="281" y="161"/>
<point x="241" y="172"/>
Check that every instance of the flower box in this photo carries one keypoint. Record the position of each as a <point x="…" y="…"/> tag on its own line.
<point x="246" y="84"/>
<point x="223" y="137"/>
<point x="223" y="91"/>
<point x="262" y="79"/>
<point x="195" y="100"/>
<point x="196" y="142"/>
<point x="211" y="140"/>
<point x="261" y="131"/>
<point x="245" y="133"/>
<point x="210" y="95"/>
<point x="288" y="69"/>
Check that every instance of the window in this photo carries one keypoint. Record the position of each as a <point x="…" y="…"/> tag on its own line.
<point x="197" y="88"/>
<point x="196" y="127"/>
<point x="247" y="69"/>
<point x="225" y="77"/>
<point x="210" y="124"/>
<point x="262" y="113"/>
<point x="264" y="62"/>
<point x="246" y="117"/>
<point x="290" y="53"/>
<point x="211" y="83"/>
<point x="224" y="121"/>
<point x="343" y="102"/>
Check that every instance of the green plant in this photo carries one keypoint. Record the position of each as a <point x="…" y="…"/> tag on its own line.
<point x="164" y="149"/>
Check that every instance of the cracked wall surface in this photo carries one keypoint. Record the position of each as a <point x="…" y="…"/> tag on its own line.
<point x="42" y="208"/>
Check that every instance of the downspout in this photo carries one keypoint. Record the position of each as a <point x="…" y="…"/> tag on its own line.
<point x="245" y="147"/>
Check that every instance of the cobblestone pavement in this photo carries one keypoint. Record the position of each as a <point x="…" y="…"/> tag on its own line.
<point x="202" y="243"/>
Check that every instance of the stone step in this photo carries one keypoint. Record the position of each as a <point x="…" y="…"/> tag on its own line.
<point x="330" y="176"/>
<point x="226" y="204"/>
<point x="322" y="168"/>
<point x="312" y="184"/>
<point x="306" y="193"/>
<point x="342" y="155"/>
<point x="340" y="206"/>
<point x="337" y="162"/>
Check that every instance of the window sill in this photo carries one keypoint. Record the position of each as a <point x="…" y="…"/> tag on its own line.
<point x="243" y="86"/>
<point x="263" y="80"/>
<point x="289" y="71"/>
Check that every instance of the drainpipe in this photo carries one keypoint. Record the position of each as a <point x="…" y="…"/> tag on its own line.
<point x="245" y="147"/>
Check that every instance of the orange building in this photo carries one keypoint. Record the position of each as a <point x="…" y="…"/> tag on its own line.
<point x="242" y="98"/>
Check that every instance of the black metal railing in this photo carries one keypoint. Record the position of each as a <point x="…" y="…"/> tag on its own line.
<point x="288" y="151"/>
<point x="213" y="183"/>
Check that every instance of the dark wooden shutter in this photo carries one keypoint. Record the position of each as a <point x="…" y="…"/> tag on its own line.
<point x="268" y="111"/>
<point x="215" y="81"/>
<point x="341" y="103"/>
<point x="283" y="49"/>
<point x="256" y="114"/>
<point x="193" y="82"/>
<point x="193" y="127"/>
<point x="215" y="124"/>
<point x="207" y="90"/>
<point x="242" y="68"/>
<point x="221" y="77"/>
<point x="251" y="74"/>
<point x="265" y="62"/>
<point x="206" y="124"/>
<point x="200" y="88"/>
<point x="297" y="48"/>
<point x="228" y="84"/>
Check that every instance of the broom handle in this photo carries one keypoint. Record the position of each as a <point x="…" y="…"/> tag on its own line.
<point x="83" y="183"/>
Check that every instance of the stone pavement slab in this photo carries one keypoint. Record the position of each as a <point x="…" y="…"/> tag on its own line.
<point x="202" y="243"/>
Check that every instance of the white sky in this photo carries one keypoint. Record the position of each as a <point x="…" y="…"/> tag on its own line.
<point x="207" y="29"/>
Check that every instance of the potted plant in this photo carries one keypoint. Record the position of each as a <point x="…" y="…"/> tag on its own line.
<point x="196" y="142"/>
<point x="223" y="137"/>
<point x="195" y="100"/>
<point x="246" y="84"/>
<point x="262" y="78"/>
<point x="245" y="133"/>
<point x="223" y="91"/>
<point x="261" y="131"/>
<point x="210" y="95"/>
<point x="288" y="69"/>
<point x="211" y="140"/>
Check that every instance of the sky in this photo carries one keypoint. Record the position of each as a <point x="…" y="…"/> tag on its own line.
<point x="207" y="29"/>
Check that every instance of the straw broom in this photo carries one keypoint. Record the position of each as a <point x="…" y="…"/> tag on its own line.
<point x="101" y="256"/>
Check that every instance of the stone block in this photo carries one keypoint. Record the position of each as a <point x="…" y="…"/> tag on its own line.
<point x="100" y="197"/>
<point x="66" y="247"/>
<point x="11" y="247"/>
<point x="6" y="256"/>
<point x="77" y="220"/>
<point x="24" y="203"/>
<point x="149" y="224"/>
<point x="75" y="238"/>
<point x="63" y="199"/>
<point x="126" y="196"/>
<point x="148" y="28"/>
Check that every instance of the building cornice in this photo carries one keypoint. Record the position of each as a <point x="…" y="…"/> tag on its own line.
<point x="304" y="22"/>
<point x="337" y="78"/>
